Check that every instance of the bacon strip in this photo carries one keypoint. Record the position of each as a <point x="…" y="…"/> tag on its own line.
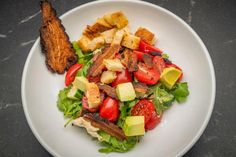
<point x="97" y="66"/>
<point x="55" y="44"/>
<point x="140" y="87"/>
<point x="108" y="90"/>
<point x="105" y="125"/>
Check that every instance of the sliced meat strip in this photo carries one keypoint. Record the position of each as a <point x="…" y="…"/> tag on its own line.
<point x="140" y="87"/>
<point x="105" y="125"/>
<point x="55" y="44"/>
<point x="108" y="90"/>
<point x="97" y="66"/>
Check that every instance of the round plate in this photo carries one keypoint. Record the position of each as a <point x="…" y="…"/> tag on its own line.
<point x="182" y="124"/>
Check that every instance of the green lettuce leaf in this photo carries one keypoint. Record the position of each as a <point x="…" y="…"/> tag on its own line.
<point x="125" y="108"/>
<point x="84" y="70"/>
<point x="69" y="107"/>
<point x="181" y="92"/>
<point x="82" y="58"/>
<point x="162" y="99"/>
<point x="78" y="52"/>
<point x="112" y="144"/>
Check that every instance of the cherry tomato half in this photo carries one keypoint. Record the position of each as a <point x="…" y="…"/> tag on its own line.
<point x="139" y="55"/>
<point x="109" y="109"/>
<point x="159" y="63"/>
<point x="118" y="56"/>
<point x="145" y="75"/>
<point x="145" y="47"/>
<point x="122" y="77"/>
<point x="175" y="66"/>
<point x="143" y="108"/>
<point x="86" y="106"/>
<point x="154" y="120"/>
<point x="70" y="75"/>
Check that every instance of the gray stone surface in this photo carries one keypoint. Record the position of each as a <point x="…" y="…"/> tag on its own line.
<point x="213" y="20"/>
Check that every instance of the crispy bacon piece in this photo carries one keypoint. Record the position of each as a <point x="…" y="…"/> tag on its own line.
<point x="105" y="125"/>
<point x="130" y="60"/>
<point x="148" y="60"/>
<point x="60" y="55"/>
<point x="140" y="87"/>
<point x="108" y="90"/>
<point x="97" y="66"/>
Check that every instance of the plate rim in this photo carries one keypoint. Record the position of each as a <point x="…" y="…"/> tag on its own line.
<point x="200" y="131"/>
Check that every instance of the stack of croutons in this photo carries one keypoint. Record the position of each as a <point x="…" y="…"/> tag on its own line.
<point x="113" y="28"/>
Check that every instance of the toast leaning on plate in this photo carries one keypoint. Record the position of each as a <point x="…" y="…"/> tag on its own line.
<point x="60" y="55"/>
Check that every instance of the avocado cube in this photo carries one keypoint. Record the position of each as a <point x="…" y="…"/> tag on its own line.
<point x="80" y="83"/>
<point x="134" y="126"/>
<point x="125" y="91"/>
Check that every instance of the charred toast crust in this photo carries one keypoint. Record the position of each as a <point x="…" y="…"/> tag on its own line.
<point x="59" y="57"/>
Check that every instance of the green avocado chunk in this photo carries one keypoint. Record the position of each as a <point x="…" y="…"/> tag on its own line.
<point x="134" y="126"/>
<point x="80" y="83"/>
<point x="125" y="91"/>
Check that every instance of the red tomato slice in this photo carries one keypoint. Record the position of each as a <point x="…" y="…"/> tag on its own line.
<point x="175" y="66"/>
<point x="145" y="47"/>
<point x="109" y="109"/>
<point x="118" y="56"/>
<point x="154" y="120"/>
<point x="145" y="75"/>
<point x="159" y="63"/>
<point x="122" y="77"/>
<point x="139" y="55"/>
<point x="143" y="108"/>
<point x="86" y="106"/>
<point x="70" y="75"/>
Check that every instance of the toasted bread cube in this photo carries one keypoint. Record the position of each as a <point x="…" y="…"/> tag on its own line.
<point x="118" y="37"/>
<point x="109" y="35"/>
<point x="89" y="45"/>
<point x="96" y="43"/>
<point x="145" y="35"/>
<point x="117" y="19"/>
<point x="89" y="33"/>
<point x="83" y="43"/>
<point x="104" y="23"/>
<point x="108" y="77"/>
<point x="131" y="41"/>
<point x="113" y="64"/>
<point x="97" y="27"/>
<point x="93" y="95"/>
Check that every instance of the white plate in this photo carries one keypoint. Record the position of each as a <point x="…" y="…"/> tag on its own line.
<point x="182" y="124"/>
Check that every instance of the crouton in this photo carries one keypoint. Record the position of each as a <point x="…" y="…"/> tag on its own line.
<point x="89" y="33"/>
<point x="93" y="95"/>
<point x="145" y="35"/>
<point x="108" y="77"/>
<point x="83" y="43"/>
<point x="131" y="41"/>
<point x="103" y="22"/>
<point x="117" y="19"/>
<point x="118" y="37"/>
<point x="96" y="43"/>
<point x="109" y="35"/>
<point x="98" y="27"/>
<point x="89" y="45"/>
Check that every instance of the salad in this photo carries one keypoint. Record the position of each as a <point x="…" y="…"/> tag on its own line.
<point x="121" y="85"/>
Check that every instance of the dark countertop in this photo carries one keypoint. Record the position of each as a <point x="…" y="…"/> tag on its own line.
<point x="213" y="20"/>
